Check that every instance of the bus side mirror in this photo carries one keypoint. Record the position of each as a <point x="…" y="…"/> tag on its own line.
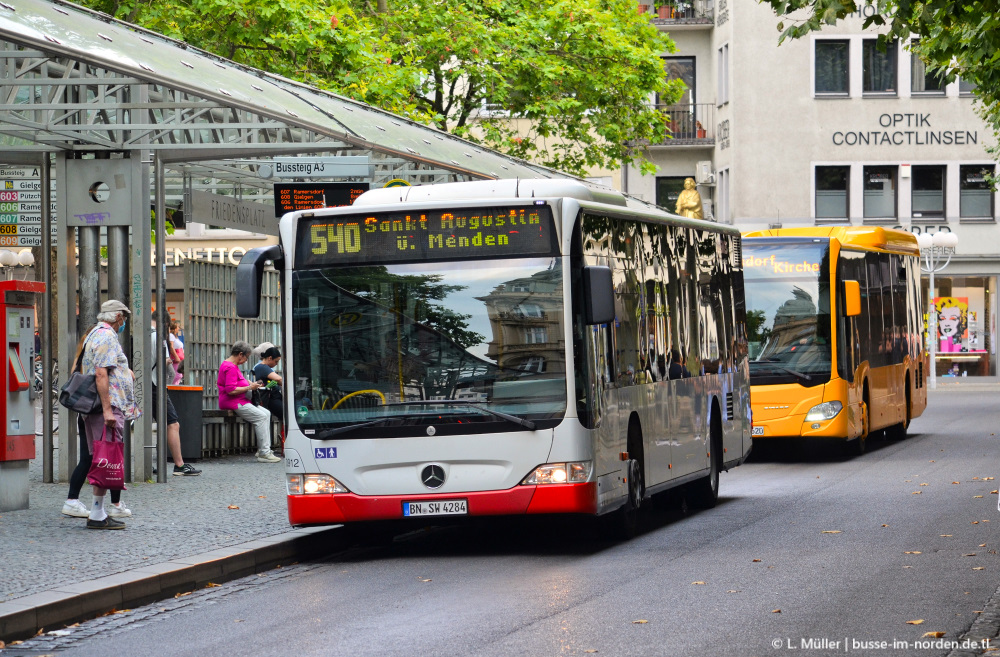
<point x="852" y="298"/>
<point x="598" y="295"/>
<point x="250" y="277"/>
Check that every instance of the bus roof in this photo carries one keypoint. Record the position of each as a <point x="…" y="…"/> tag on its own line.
<point x="503" y="188"/>
<point x="869" y="238"/>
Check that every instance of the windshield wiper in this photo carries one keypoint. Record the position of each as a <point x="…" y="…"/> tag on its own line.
<point x="323" y="435"/>
<point x="787" y="370"/>
<point x="527" y="424"/>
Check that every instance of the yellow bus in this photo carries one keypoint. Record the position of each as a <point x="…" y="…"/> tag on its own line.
<point x="834" y="328"/>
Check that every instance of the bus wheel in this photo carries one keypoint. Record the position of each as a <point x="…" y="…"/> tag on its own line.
<point x="859" y="445"/>
<point x="704" y="493"/>
<point x="623" y="523"/>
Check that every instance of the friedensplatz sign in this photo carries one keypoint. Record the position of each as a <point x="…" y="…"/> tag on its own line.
<point x="217" y="210"/>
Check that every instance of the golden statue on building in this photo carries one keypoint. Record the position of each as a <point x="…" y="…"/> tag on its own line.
<point x="689" y="201"/>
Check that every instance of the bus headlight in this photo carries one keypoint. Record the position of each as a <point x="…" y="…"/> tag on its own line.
<point x="824" y="411"/>
<point x="299" y="484"/>
<point x="575" y="472"/>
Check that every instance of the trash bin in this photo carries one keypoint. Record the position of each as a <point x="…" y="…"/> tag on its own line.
<point x="187" y="403"/>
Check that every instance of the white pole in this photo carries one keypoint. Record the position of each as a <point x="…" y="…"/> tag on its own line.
<point x="932" y="322"/>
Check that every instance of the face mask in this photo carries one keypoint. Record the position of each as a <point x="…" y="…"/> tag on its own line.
<point x="121" y="329"/>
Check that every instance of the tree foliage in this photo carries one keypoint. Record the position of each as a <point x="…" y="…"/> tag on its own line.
<point x="956" y="37"/>
<point x="568" y="82"/>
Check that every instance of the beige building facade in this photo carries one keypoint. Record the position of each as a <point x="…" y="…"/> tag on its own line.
<point x="826" y="130"/>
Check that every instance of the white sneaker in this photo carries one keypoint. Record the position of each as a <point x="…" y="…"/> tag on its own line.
<point x="119" y="510"/>
<point x="267" y="457"/>
<point x="75" y="509"/>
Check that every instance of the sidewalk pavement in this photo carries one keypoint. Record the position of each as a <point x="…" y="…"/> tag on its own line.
<point x="229" y="522"/>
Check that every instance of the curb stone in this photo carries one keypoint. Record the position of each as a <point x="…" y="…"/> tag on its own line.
<point x="986" y="626"/>
<point x="23" y="617"/>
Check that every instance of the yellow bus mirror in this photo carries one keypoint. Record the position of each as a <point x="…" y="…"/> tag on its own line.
<point x="852" y="298"/>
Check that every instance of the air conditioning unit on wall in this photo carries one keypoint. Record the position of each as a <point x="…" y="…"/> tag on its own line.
<point x="704" y="173"/>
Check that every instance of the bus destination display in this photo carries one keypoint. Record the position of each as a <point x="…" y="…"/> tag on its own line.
<point x="427" y="235"/>
<point x="290" y="197"/>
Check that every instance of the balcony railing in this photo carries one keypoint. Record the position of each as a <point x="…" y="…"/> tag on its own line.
<point x="690" y="125"/>
<point x="692" y="12"/>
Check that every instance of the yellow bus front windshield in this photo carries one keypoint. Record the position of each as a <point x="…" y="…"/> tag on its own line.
<point x="788" y="311"/>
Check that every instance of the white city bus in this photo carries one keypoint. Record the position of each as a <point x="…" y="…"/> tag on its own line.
<point x="505" y="348"/>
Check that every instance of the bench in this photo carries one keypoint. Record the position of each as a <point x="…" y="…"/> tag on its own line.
<point x="224" y="432"/>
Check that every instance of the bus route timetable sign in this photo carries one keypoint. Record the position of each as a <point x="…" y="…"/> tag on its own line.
<point x="20" y="207"/>
<point x="442" y="234"/>
<point x="290" y="197"/>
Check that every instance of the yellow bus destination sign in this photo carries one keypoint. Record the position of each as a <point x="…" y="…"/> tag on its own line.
<point x="770" y="259"/>
<point x="425" y="235"/>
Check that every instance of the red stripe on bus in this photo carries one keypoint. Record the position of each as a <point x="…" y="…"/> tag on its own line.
<point x="348" y="507"/>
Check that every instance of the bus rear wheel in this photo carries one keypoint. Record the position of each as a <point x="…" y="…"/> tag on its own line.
<point x="704" y="493"/>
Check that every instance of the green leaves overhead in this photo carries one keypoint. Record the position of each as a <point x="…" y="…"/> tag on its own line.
<point x="565" y="83"/>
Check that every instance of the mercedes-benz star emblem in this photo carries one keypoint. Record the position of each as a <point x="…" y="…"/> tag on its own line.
<point x="432" y="476"/>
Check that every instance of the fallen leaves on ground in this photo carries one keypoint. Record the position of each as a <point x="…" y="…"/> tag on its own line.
<point x="640" y="622"/>
<point x="232" y="506"/>
<point x="970" y="554"/>
<point x="946" y="535"/>
<point x="917" y="492"/>
<point x="913" y="552"/>
<point x="212" y="585"/>
<point x="919" y="621"/>
<point x="934" y="635"/>
<point x="732" y="591"/>
<point x="976" y="497"/>
<point x="831" y="531"/>
<point x="756" y="561"/>
<point x="775" y="611"/>
<point x="698" y="583"/>
<point x="181" y="595"/>
<point x="979" y="568"/>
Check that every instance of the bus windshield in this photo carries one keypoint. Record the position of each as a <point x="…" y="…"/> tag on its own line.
<point x="429" y="349"/>
<point x="788" y="311"/>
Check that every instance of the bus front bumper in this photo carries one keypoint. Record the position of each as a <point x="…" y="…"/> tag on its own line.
<point x="328" y="509"/>
<point x="795" y="426"/>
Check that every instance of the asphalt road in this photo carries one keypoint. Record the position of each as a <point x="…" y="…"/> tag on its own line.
<point x="807" y="554"/>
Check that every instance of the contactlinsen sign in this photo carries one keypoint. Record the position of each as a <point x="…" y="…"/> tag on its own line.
<point x="906" y="129"/>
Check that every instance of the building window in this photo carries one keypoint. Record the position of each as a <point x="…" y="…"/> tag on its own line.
<point x="831" y="192"/>
<point x="533" y="364"/>
<point x="927" y="192"/>
<point x="975" y="195"/>
<point x="529" y="310"/>
<point x="966" y="88"/>
<point x="878" y="69"/>
<point x="681" y="68"/>
<point x="880" y="192"/>
<point x="922" y="81"/>
<point x="536" y="335"/>
<point x="832" y="67"/>
<point x="723" y="214"/>
<point x="668" y="188"/>
<point x="723" y="78"/>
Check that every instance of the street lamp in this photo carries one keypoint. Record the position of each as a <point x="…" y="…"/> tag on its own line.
<point x="934" y="248"/>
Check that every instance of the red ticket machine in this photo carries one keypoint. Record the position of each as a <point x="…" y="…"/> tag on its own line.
<point x="17" y="413"/>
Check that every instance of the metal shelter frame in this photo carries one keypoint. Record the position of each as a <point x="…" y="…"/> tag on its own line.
<point x="79" y="84"/>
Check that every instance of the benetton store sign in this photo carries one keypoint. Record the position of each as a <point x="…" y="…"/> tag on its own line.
<point x="906" y="129"/>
